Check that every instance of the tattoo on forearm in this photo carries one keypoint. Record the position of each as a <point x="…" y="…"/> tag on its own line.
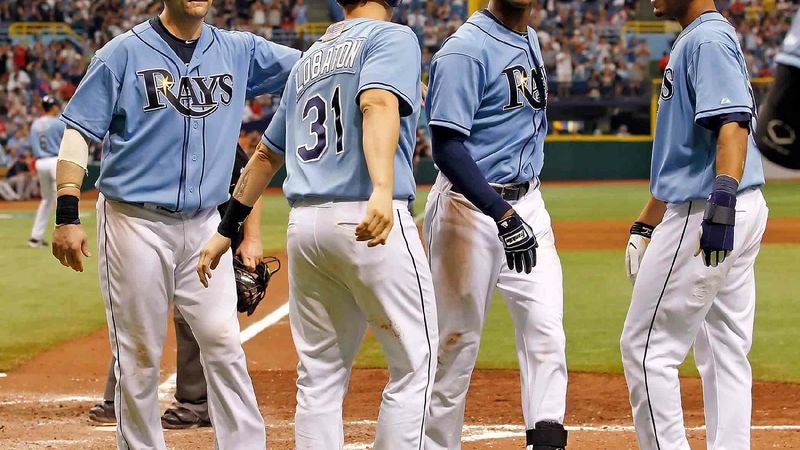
<point x="242" y="185"/>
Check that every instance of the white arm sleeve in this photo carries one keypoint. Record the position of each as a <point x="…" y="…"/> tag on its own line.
<point x="74" y="148"/>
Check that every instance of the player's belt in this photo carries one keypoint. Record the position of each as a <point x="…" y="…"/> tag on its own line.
<point x="509" y="192"/>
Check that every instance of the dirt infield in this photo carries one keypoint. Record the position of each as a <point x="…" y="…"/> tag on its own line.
<point x="43" y="404"/>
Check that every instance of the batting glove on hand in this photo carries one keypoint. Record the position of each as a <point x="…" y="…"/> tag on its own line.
<point x="641" y="233"/>
<point x="719" y="220"/>
<point x="519" y="243"/>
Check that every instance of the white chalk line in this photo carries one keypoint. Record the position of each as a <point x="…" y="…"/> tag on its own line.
<point x="166" y="388"/>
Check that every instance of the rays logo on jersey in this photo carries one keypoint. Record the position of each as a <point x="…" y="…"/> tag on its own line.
<point x="667" y="87"/>
<point x="197" y="96"/>
<point x="327" y="61"/>
<point x="533" y="87"/>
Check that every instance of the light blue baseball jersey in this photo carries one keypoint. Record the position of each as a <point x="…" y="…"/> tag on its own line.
<point x="790" y="55"/>
<point x="45" y="136"/>
<point x="318" y="125"/>
<point x="173" y="127"/>
<point x="706" y="77"/>
<point x="489" y="83"/>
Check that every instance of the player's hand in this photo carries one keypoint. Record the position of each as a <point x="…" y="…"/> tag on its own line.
<point x="70" y="246"/>
<point x="634" y="252"/>
<point x="518" y="241"/>
<point x="210" y="255"/>
<point x="424" y="88"/>
<point x="716" y="230"/>
<point x="379" y="220"/>
<point x="250" y="252"/>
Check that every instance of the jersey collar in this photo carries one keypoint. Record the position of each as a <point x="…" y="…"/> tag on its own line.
<point x="704" y="17"/>
<point x="149" y="36"/>
<point x="501" y="25"/>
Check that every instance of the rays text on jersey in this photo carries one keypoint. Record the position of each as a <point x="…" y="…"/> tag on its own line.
<point x="533" y="87"/>
<point x="326" y="61"/>
<point x="196" y="96"/>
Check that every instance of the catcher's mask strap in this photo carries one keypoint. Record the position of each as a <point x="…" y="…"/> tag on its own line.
<point x="272" y="261"/>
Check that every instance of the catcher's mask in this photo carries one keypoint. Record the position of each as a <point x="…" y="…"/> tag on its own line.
<point x="251" y="286"/>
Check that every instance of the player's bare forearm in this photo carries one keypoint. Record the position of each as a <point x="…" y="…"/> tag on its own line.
<point x="257" y="175"/>
<point x="69" y="178"/>
<point x="381" y="133"/>
<point x="70" y="244"/>
<point x="653" y="212"/>
<point x="732" y="150"/>
<point x="381" y="125"/>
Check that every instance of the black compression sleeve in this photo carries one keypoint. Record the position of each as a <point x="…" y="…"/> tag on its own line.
<point x="455" y="162"/>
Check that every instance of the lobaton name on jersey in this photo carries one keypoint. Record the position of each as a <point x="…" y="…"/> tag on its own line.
<point x="338" y="58"/>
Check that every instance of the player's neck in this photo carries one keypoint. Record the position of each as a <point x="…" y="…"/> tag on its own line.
<point x="694" y="10"/>
<point x="514" y="18"/>
<point x="369" y="10"/>
<point x="184" y="28"/>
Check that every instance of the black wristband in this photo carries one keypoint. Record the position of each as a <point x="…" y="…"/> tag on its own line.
<point x="642" y="229"/>
<point x="67" y="210"/>
<point x="235" y="215"/>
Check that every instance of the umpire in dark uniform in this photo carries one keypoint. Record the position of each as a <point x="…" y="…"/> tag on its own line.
<point x="191" y="403"/>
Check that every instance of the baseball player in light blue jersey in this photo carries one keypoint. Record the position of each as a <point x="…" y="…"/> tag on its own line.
<point x="45" y="138"/>
<point x="692" y="249"/>
<point x="346" y="130"/>
<point x="487" y="106"/>
<point x="779" y="124"/>
<point x="169" y="93"/>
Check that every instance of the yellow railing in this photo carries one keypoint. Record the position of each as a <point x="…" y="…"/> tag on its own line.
<point x="651" y="26"/>
<point x="313" y="28"/>
<point x="35" y="28"/>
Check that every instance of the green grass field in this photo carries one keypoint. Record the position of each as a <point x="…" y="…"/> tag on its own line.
<point x="44" y="303"/>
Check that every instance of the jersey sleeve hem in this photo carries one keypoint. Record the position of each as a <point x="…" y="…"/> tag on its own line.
<point x="700" y="115"/>
<point x="272" y="146"/>
<point x="788" y="60"/>
<point x="450" y="126"/>
<point x="406" y="105"/>
<point x="82" y="129"/>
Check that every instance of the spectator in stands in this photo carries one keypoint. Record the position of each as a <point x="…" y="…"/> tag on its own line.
<point x="564" y="72"/>
<point x="20" y="176"/>
<point x="300" y="12"/>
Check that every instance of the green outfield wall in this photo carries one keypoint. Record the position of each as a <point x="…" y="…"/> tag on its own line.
<point x="564" y="160"/>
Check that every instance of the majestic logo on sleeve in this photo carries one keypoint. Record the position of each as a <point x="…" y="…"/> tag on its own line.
<point x="193" y="97"/>
<point x="533" y="87"/>
<point x="668" y="87"/>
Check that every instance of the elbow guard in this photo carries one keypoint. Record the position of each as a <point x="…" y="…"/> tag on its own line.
<point x="779" y="120"/>
<point x="74" y="148"/>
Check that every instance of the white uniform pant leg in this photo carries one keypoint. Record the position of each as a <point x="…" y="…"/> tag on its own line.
<point x="726" y="336"/>
<point x="212" y="316"/>
<point x="46" y="171"/>
<point x="465" y="262"/>
<point x="672" y="297"/>
<point x="392" y="286"/>
<point x="536" y="303"/>
<point x="136" y="280"/>
<point x="327" y="329"/>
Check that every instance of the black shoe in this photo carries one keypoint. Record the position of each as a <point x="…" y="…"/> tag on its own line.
<point x="182" y="419"/>
<point x="103" y="412"/>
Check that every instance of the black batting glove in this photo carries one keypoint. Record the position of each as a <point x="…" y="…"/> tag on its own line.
<point x="519" y="243"/>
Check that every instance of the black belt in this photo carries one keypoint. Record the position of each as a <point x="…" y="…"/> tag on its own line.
<point x="510" y="192"/>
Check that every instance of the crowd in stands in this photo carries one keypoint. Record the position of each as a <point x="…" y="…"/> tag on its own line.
<point x="585" y="48"/>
